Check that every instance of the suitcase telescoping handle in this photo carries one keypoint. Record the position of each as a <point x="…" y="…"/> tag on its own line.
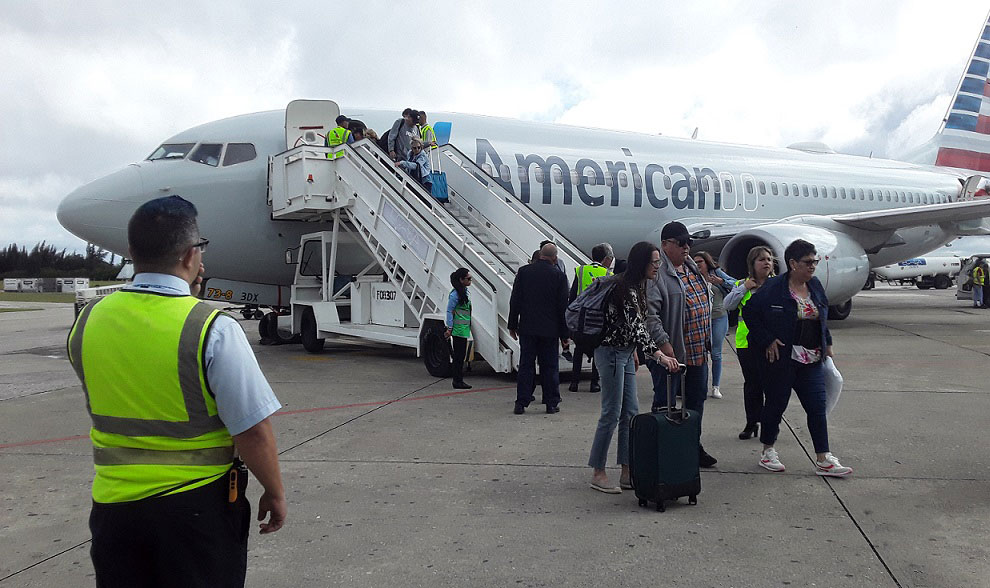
<point x="671" y="399"/>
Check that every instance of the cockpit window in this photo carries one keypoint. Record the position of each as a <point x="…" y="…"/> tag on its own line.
<point x="171" y="151"/>
<point x="207" y="153"/>
<point x="239" y="153"/>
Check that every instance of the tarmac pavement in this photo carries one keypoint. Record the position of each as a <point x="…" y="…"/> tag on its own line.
<point x="396" y="479"/>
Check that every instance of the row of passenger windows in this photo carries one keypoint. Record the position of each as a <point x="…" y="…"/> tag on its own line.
<point x="206" y="153"/>
<point x="710" y="185"/>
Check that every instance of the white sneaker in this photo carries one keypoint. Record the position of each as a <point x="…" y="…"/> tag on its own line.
<point x="770" y="461"/>
<point x="715" y="392"/>
<point x="830" y="466"/>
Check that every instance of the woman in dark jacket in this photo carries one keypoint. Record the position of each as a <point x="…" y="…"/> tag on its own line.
<point x="787" y="318"/>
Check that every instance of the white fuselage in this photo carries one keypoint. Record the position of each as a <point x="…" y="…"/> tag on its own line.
<point x="593" y="185"/>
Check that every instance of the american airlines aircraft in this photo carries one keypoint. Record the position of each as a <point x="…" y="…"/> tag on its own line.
<point x="593" y="185"/>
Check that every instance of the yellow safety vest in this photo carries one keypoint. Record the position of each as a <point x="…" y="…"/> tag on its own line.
<point x="428" y="136"/>
<point x="156" y="431"/>
<point x="462" y="320"/>
<point x="337" y="136"/>
<point x="742" y="331"/>
<point x="979" y="276"/>
<point x="587" y="274"/>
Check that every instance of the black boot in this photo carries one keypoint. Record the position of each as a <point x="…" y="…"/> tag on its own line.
<point x="460" y="385"/>
<point x="751" y="430"/>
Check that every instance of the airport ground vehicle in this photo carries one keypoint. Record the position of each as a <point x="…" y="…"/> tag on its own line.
<point x="923" y="272"/>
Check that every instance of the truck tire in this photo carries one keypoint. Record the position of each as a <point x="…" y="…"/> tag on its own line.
<point x="942" y="282"/>
<point x="308" y="327"/>
<point x="840" y="312"/>
<point x="435" y="350"/>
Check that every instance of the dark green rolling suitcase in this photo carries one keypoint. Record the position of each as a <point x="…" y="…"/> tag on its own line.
<point x="663" y="460"/>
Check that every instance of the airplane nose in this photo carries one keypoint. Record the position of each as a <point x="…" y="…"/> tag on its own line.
<point x="98" y="212"/>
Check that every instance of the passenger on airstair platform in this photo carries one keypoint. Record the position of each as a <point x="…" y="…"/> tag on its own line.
<point x="426" y="131"/>
<point x="401" y="135"/>
<point x="418" y="165"/>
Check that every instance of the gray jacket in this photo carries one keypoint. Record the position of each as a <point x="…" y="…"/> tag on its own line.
<point x="666" y="305"/>
<point x="400" y="138"/>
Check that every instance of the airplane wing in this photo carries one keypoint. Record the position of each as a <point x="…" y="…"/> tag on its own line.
<point x="914" y="216"/>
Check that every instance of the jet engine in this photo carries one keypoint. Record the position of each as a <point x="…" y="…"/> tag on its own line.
<point x="843" y="269"/>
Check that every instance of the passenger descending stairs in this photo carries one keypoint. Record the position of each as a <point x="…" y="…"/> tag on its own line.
<point x="417" y="241"/>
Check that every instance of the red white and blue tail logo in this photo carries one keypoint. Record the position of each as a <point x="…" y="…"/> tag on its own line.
<point x="964" y="138"/>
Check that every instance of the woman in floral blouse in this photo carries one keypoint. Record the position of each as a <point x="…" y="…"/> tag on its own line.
<point x="625" y="331"/>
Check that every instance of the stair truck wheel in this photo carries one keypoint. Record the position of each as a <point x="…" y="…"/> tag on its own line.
<point x="435" y="350"/>
<point x="840" y="312"/>
<point x="308" y="327"/>
<point x="266" y="326"/>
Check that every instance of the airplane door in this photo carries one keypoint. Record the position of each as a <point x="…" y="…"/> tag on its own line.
<point x="307" y="122"/>
<point x="751" y="198"/>
<point x="728" y="190"/>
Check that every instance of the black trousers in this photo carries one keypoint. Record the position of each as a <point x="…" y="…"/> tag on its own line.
<point x="544" y="350"/>
<point x="753" y="364"/>
<point x="579" y="354"/>
<point x="189" y="540"/>
<point x="457" y="361"/>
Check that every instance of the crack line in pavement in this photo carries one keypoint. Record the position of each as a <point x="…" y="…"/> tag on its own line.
<point x="565" y="466"/>
<point x="7" y="577"/>
<point x="842" y="503"/>
<point x="366" y="413"/>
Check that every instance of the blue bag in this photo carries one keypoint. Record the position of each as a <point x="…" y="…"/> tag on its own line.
<point x="438" y="179"/>
<point x="438" y="186"/>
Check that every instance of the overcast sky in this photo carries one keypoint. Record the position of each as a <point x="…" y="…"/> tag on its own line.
<point x="88" y="87"/>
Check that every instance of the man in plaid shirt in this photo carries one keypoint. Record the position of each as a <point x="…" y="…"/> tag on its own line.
<point x="679" y="321"/>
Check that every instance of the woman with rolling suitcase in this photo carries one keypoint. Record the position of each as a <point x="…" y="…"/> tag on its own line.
<point x="624" y="331"/>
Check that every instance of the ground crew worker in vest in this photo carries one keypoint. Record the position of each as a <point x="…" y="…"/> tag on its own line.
<point x="426" y="132"/>
<point x="339" y="135"/>
<point x="979" y="279"/>
<point x="759" y="262"/>
<point x="174" y="393"/>
<point x="602" y="257"/>
<point x="459" y="322"/>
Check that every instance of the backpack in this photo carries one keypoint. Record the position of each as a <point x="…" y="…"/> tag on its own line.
<point x="383" y="141"/>
<point x="585" y="316"/>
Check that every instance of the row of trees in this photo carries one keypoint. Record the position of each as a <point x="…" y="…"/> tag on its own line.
<point x="45" y="261"/>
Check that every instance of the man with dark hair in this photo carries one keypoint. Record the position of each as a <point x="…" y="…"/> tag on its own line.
<point x="174" y="392"/>
<point x="601" y="259"/>
<point x="536" y="319"/>
<point x="401" y="135"/>
<point x="679" y="320"/>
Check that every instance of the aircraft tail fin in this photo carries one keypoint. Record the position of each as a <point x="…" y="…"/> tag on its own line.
<point x="963" y="139"/>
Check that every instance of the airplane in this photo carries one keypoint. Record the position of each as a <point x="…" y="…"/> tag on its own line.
<point x="593" y="185"/>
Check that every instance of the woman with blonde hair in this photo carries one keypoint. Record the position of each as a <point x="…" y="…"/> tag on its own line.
<point x="759" y="264"/>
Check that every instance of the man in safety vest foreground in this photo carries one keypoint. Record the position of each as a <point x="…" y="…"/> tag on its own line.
<point x="174" y="391"/>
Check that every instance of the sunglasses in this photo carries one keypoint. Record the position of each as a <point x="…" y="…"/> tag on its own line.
<point x="202" y="244"/>
<point x="809" y="262"/>
<point x="682" y="241"/>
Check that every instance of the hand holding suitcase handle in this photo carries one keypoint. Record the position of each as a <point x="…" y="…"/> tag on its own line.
<point x="670" y="363"/>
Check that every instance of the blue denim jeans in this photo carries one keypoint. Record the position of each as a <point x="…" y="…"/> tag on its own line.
<point x="695" y="382"/>
<point x="808" y="382"/>
<point x="720" y="326"/>
<point x="617" y="371"/>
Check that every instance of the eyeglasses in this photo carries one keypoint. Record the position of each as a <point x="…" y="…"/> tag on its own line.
<point x="809" y="262"/>
<point x="682" y="241"/>
<point x="202" y="244"/>
<point x="416" y="147"/>
<point x="655" y="262"/>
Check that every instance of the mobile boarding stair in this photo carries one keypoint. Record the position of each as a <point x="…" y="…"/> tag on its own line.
<point x="413" y="243"/>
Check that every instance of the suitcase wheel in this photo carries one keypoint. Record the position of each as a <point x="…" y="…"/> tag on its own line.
<point x="692" y="500"/>
<point x="643" y="502"/>
<point x="660" y="506"/>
